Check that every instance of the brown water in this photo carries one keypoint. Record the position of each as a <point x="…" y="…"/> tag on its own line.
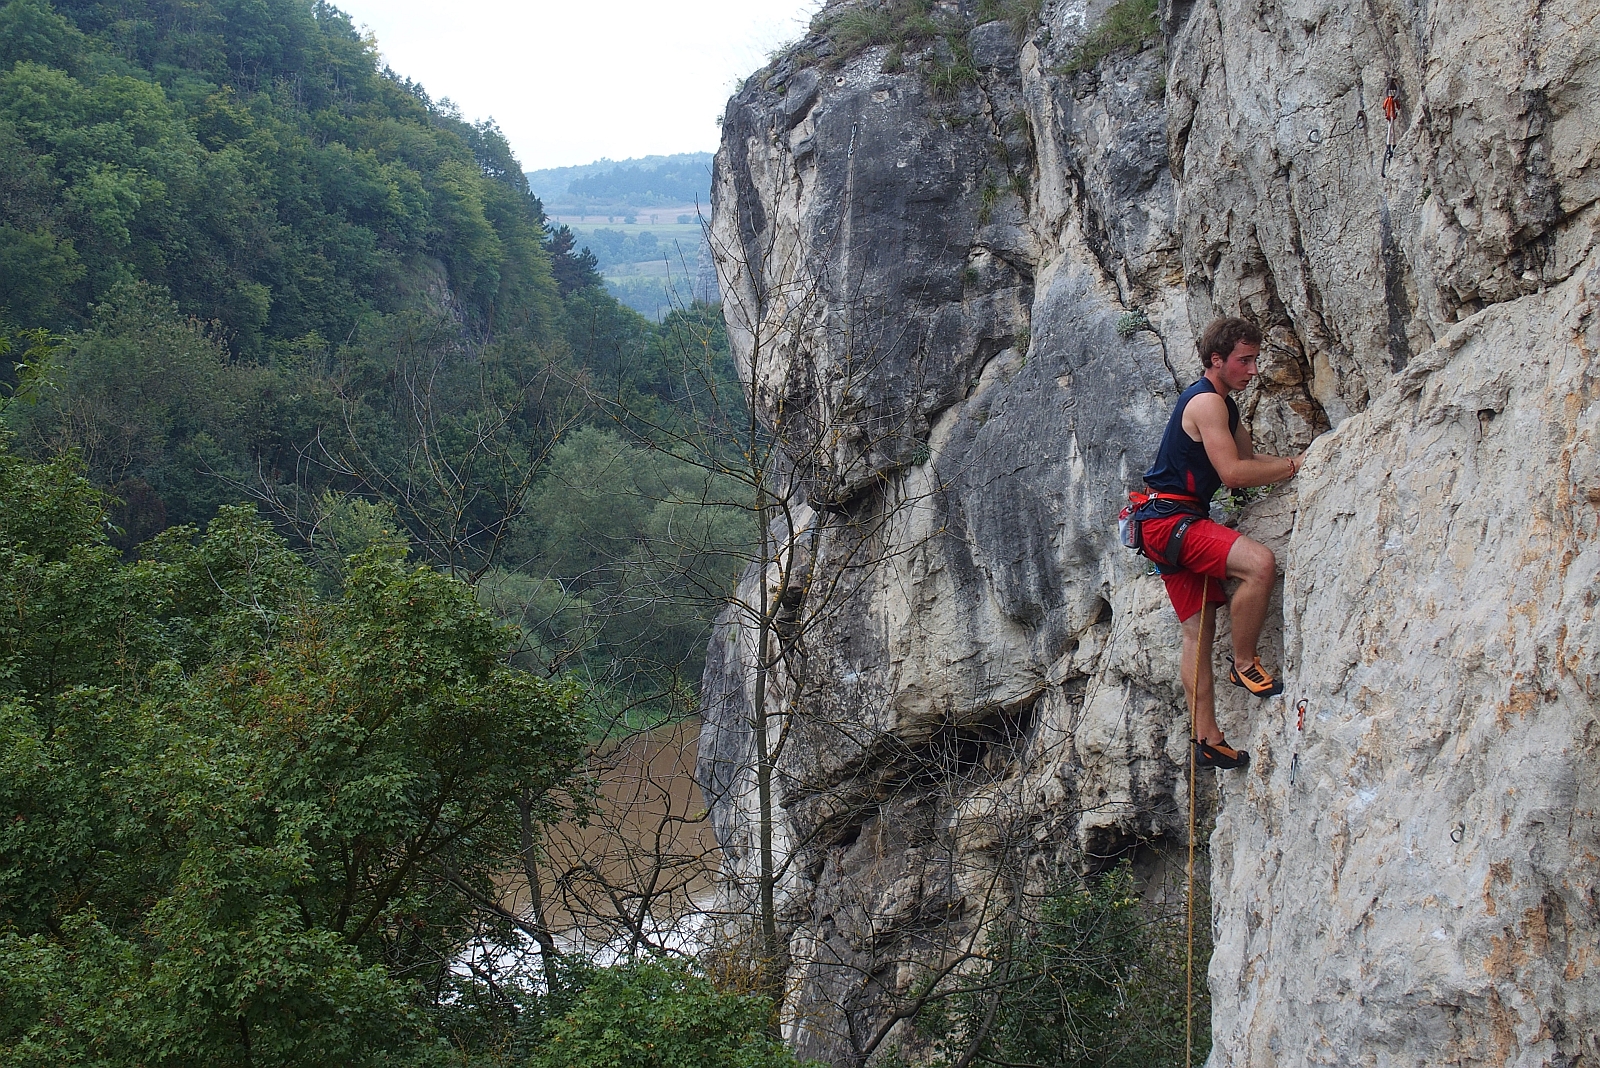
<point x="645" y="860"/>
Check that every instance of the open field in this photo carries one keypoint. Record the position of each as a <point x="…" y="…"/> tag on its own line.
<point x="657" y="220"/>
<point x="665" y="233"/>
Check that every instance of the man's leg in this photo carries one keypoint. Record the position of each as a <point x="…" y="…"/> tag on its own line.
<point x="1256" y="569"/>
<point x="1199" y="686"/>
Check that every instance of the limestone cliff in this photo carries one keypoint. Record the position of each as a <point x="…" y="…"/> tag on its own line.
<point x="964" y="275"/>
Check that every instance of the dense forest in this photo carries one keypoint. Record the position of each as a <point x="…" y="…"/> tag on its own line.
<point x="341" y="511"/>
<point x="648" y="181"/>
<point x="238" y="262"/>
<point x="678" y="182"/>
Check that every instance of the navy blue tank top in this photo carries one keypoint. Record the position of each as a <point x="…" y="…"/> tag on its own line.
<point x="1182" y="465"/>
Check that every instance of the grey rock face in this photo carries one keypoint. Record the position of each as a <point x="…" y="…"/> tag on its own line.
<point x="933" y="295"/>
<point x="993" y="46"/>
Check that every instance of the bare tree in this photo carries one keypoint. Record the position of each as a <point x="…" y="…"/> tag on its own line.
<point x="450" y="432"/>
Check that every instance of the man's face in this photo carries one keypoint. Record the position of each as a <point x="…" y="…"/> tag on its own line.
<point x="1236" y="371"/>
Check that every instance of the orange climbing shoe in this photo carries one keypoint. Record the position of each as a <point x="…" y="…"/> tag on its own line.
<point x="1220" y="756"/>
<point x="1254" y="678"/>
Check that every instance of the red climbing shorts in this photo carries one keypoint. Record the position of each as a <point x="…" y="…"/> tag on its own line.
<point x="1204" y="557"/>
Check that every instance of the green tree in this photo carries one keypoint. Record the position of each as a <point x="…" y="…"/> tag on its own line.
<point x="145" y="397"/>
<point x="573" y="269"/>
<point x="239" y="823"/>
<point x="652" y="543"/>
<point x="257" y="163"/>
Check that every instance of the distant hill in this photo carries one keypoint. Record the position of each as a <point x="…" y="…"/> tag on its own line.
<point x="645" y="182"/>
<point x="638" y="218"/>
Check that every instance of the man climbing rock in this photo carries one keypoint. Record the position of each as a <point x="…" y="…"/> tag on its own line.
<point x="1206" y="447"/>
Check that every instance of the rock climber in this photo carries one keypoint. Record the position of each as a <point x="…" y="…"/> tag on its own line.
<point x="1206" y="447"/>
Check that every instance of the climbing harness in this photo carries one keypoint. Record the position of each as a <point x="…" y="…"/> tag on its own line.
<point x="1130" y="528"/>
<point x="1391" y="111"/>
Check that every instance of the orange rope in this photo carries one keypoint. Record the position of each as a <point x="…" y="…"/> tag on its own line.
<point x="1194" y="736"/>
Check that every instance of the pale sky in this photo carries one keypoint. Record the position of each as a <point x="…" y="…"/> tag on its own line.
<point x="574" y="82"/>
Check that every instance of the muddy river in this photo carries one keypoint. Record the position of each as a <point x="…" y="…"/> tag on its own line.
<point x="641" y="869"/>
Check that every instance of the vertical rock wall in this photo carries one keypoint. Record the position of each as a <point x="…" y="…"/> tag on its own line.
<point x="938" y="286"/>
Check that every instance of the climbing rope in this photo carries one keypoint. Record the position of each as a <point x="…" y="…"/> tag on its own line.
<point x="1194" y="736"/>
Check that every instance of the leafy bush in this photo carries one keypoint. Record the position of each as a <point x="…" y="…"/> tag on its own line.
<point x="659" y="1014"/>
<point x="1096" y="981"/>
<point x="1131" y="322"/>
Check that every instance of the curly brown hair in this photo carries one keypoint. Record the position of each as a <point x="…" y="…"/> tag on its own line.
<point x="1222" y="335"/>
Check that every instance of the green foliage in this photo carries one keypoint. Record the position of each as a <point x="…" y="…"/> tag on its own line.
<point x="252" y="798"/>
<point x="573" y="270"/>
<point x="452" y="434"/>
<point x="257" y="166"/>
<point x="557" y="625"/>
<point x="1127" y="25"/>
<point x="649" y="541"/>
<point x="1131" y="322"/>
<point x="612" y="247"/>
<point x="143" y="396"/>
<point x="1097" y="981"/>
<point x="241" y="823"/>
<point x="272" y="272"/>
<point x="659" y="1014"/>
<point x="347" y="528"/>
<point x="417" y="431"/>
<point x="652" y="296"/>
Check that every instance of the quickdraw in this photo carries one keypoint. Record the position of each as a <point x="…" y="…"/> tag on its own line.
<point x="1391" y="111"/>
<point x="1299" y="725"/>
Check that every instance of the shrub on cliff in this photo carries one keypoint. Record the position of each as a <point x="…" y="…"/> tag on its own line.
<point x="659" y="1014"/>
<point x="1096" y="980"/>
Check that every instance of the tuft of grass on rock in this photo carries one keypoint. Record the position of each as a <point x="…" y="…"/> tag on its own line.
<point x="903" y="25"/>
<point x="948" y="73"/>
<point x="1127" y="26"/>
<point x="1021" y="14"/>
<point x="987" y="199"/>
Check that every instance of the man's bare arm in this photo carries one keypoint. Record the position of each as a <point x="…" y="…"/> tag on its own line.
<point x="1247" y="447"/>
<point x="1236" y="462"/>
